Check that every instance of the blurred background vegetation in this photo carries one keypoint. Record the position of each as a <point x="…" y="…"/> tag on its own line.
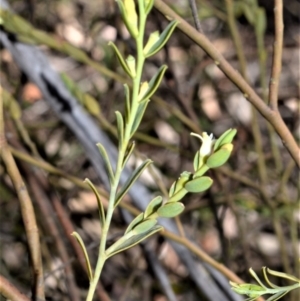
<point x="232" y="222"/>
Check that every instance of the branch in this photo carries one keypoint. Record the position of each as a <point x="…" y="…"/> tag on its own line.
<point x="27" y="210"/>
<point x="277" y="56"/>
<point x="273" y="117"/>
<point x="10" y="292"/>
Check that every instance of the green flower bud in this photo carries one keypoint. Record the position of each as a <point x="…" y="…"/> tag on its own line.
<point x="153" y="38"/>
<point x="131" y="65"/>
<point x="143" y="89"/>
<point x="131" y="17"/>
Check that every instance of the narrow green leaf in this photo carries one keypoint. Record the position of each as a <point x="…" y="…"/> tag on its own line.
<point x="170" y="210"/>
<point x="139" y="115"/>
<point x="128" y="153"/>
<point x="278" y="296"/>
<point x="153" y="206"/>
<point x="283" y="275"/>
<point x="42" y="37"/>
<point x="163" y="39"/>
<point x="21" y="26"/>
<point x="69" y="83"/>
<point x="127" y="102"/>
<point x="27" y="39"/>
<point x="178" y="195"/>
<point x="78" y="95"/>
<point x="100" y="205"/>
<point x="148" y="5"/>
<point x="91" y="104"/>
<point x="154" y="83"/>
<point x="267" y="278"/>
<point x="254" y="275"/>
<point x="248" y="12"/>
<point x="75" y="52"/>
<point x="218" y="158"/>
<point x="129" y="240"/>
<point x="6" y="16"/>
<point x="131" y="180"/>
<point x="196" y="162"/>
<point x="198" y="184"/>
<point x="120" y="128"/>
<point x="106" y="162"/>
<point x="15" y="110"/>
<point x="144" y="226"/>
<point x="121" y="60"/>
<point x="225" y="138"/>
<point x="136" y="221"/>
<point x="87" y="260"/>
<point x="261" y="21"/>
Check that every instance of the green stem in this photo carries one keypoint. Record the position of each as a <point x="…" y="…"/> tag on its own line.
<point x="127" y="136"/>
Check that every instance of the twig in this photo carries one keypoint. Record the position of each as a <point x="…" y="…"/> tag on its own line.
<point x="195" y="15"/>
<point x="10" y="292"/>
<point x="205" y="257"/>
<point x="27" y="211"/>
<point x="272" y="116"/>
<point x="277" y="55"/>
<point x="48" y="218"/>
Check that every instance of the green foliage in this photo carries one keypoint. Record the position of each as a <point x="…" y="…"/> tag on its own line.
<point x="81" y="243"/>
<point x="210" y="155"/>
<point x="156" y="42"/>
<point x="253" y="291"/>
<point x="130" y="239"/>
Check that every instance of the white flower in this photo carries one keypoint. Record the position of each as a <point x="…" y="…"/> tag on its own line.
<point x="207" y="143"/>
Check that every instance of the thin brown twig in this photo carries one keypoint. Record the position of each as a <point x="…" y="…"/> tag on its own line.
<point x="205" y="257"/>
<point x="277" y="55"/>
<point x="48" y="218"/>
<point x="270" y="115"/>
<point x="10" y="292"/>
<point x="27" y="211"/>
<point x="193" y="7"/>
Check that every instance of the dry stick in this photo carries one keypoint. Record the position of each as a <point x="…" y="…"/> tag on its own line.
<point x="205" y="257"/>
<point x="27" y="211"/>
<point x="274" y="80"/>
<point x="277" y="56"/>
<point x="272" y="116"/>
<point x="195" y="15"/>
<point x="48" y="214"/>
<point x="10" y="292"/>
<point x="45" y="207"/>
